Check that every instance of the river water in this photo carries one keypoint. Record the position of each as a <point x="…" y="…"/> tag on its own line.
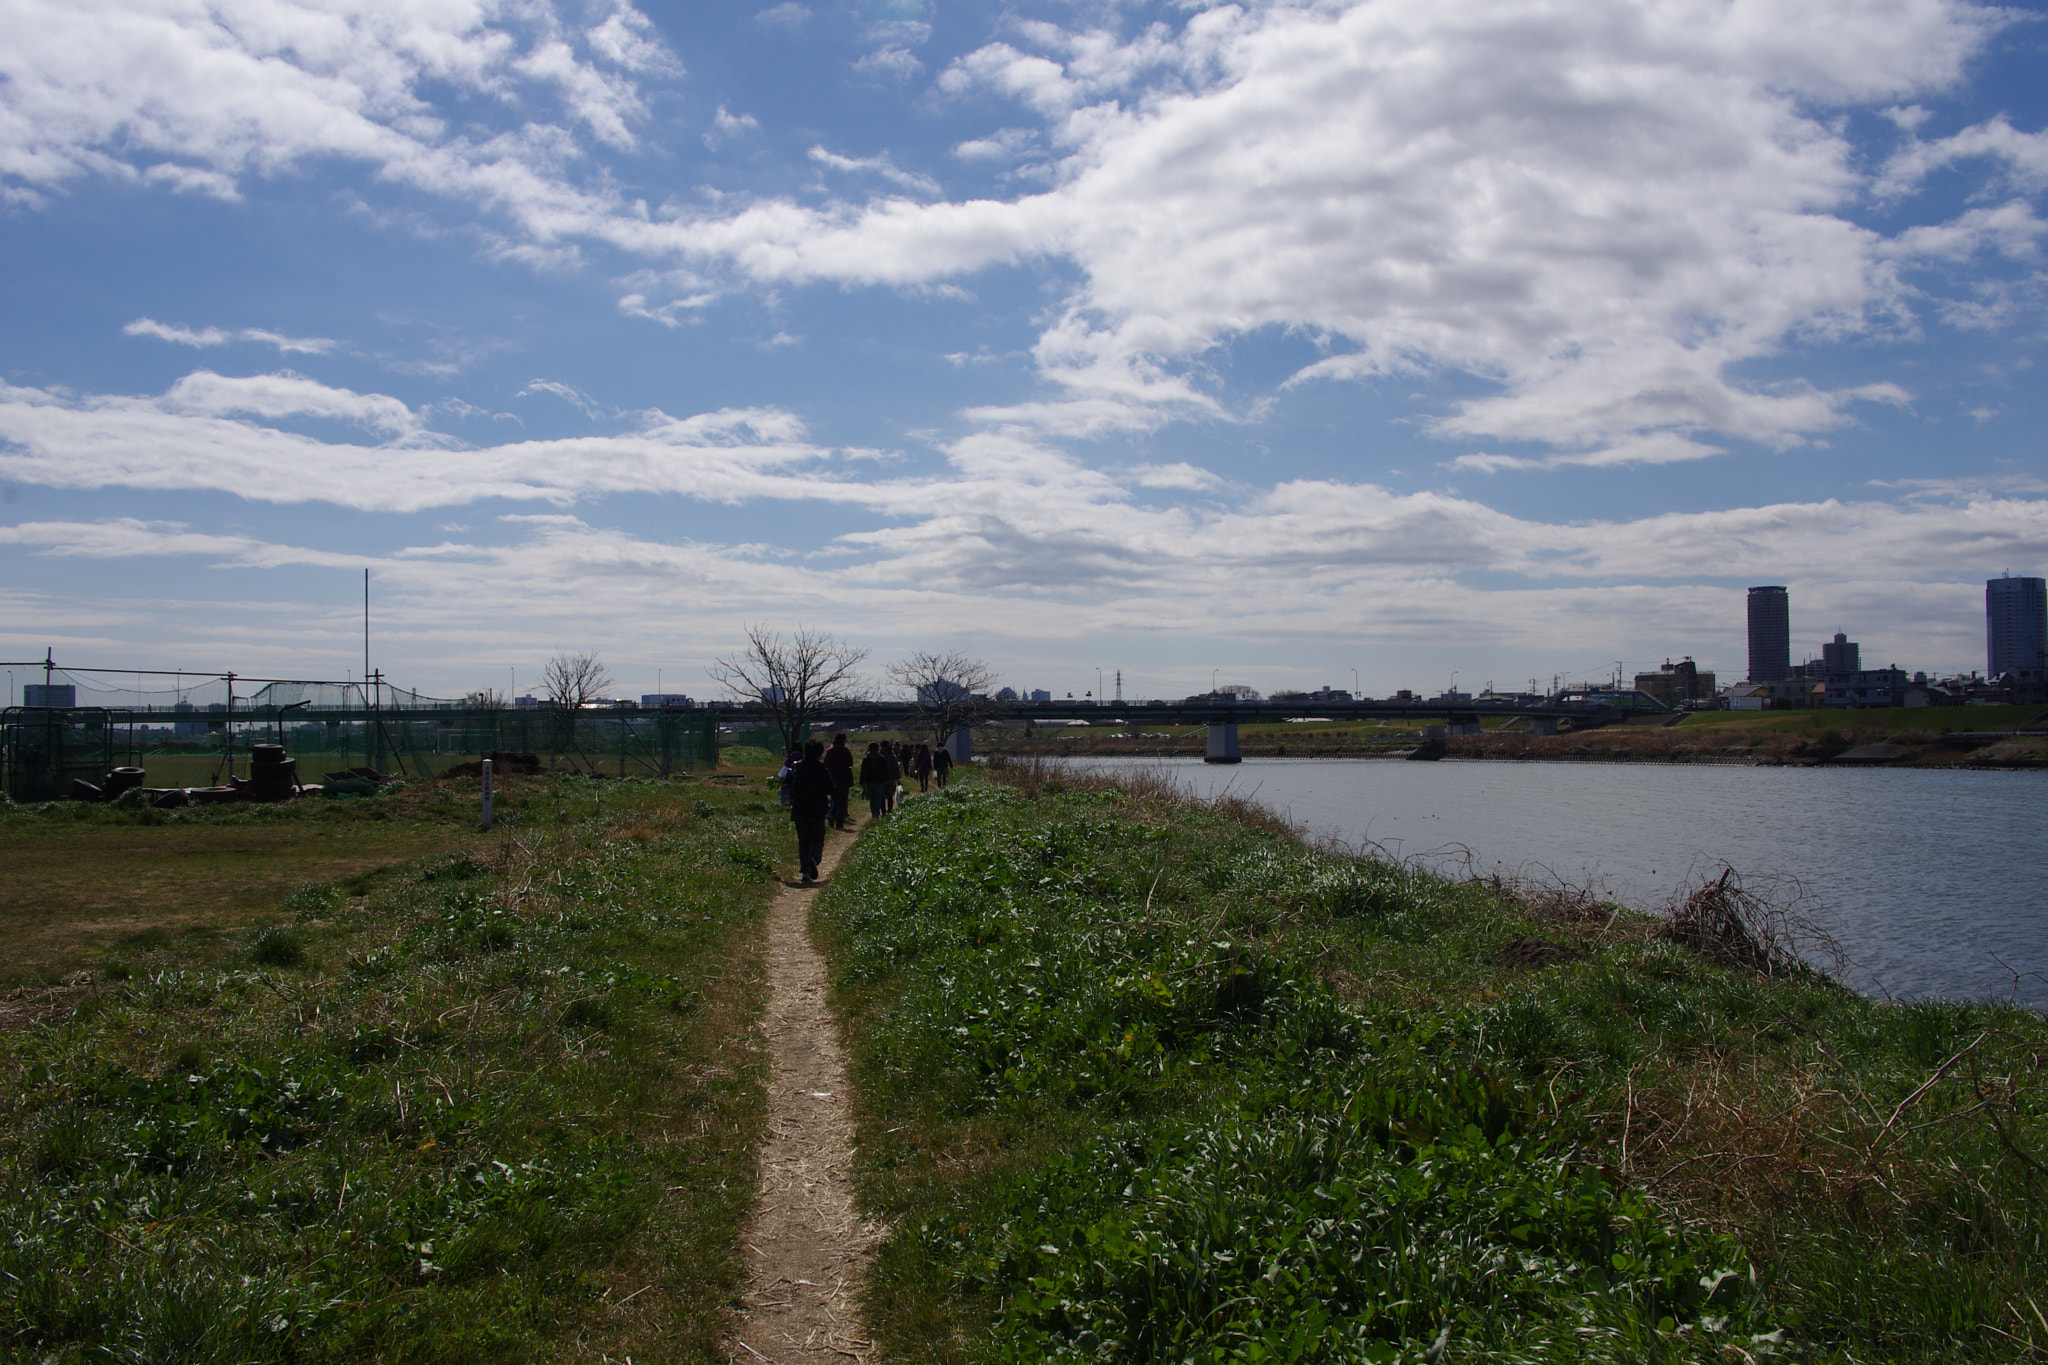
<point x="1934" y="882"/>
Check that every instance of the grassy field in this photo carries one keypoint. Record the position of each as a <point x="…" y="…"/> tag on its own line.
<point x="83" y="879"/>
<point x="1141" y="1080"/>
<point x="482" y="1098"/>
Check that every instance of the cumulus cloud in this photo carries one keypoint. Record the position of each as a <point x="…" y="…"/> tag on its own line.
<point x="200" y="98"/>
<point x="1604" y="212"/>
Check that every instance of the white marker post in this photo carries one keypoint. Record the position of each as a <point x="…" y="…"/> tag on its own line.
<point x="487" y="793"/>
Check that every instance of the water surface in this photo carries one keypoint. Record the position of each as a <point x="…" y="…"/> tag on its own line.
<point x="1934" y="881"/>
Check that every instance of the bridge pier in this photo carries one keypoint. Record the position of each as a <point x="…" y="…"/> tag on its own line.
<point x="1223" y="742"/>
<point x="1543" y="725"/>
<point x="960" y="744"/>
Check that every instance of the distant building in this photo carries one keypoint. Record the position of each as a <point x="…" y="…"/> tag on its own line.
<point x="1678" y="684"/>
<point x="50" y="694"/>
<point x="1870" y="687"/>
<point x="1040" y="694"/>
<point x="2015" y="628"/>
<point x="666" y="700"/>
<point x="1770" y="634"/>
<point x="1006" y="694"/>
<point x="940" y="690"/>
<point x="1842" y="655"/>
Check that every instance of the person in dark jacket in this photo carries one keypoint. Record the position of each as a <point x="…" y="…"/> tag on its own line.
<point x="892" y="754"/>
<point x="839" y="759"/>
<point x="875" y="780"/>
<point x="921" y="765"/>
<point x="810" y="802"/>
<point x="942" y="765"/>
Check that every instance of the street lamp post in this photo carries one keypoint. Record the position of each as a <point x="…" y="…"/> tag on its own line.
<point x="1212" y="680"/>
<point x="1354" y="684"/>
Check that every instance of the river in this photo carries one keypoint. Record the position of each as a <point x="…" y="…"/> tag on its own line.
<point x="1934" y="881"/>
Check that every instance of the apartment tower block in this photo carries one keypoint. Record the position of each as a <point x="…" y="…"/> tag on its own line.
<point x="1770" y="635"/>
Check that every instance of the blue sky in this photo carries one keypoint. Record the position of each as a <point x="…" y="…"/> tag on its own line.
<point x="1287" y="340"/>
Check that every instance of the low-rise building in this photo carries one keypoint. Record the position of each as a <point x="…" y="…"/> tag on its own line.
<point x="1678" y="684"/>
<point x="1869" y="687"/>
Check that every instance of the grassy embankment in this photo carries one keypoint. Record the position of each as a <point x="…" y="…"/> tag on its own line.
<point x="1145" y="1081"/>
<point x="1795" y="737"/>
<point x="495" y="1103"/>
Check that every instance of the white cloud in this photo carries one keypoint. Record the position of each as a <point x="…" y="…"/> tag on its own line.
<point x="216" y="336"/>
<point x="896" y="64"/>
<point x="202" y="97"/>
<point x="189" y="438"/>
<point x="1027" y="545"/>
<point x="2023" y="157"/>
<point x="1605" y="211"/>
<point x="1005" y="144"/>
<point x="568" y="393"/>
<point x="880" y="165"/>
<point x="727" y="126"/>
<point x="788" y="16"/>
<point x="1180" y="474"/>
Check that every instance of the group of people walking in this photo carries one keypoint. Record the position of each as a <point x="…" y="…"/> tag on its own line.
<point x="817" y="783"/>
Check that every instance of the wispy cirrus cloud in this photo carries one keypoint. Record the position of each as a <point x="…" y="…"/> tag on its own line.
<point x="220" y="336"/>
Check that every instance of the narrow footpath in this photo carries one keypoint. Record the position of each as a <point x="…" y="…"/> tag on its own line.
<point x="807" y="1247"/>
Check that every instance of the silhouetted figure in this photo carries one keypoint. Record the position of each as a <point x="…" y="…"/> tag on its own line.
<point x="810" y="802"/>
<point x="839" y="761"/>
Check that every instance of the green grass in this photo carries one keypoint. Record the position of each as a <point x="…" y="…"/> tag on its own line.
<point x="499" y="1104"/>
<point x="1930" y="720"/>
<point x="1144" y="1081"/>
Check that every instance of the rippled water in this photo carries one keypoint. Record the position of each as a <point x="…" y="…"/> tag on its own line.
<point x="1935" y="882"/>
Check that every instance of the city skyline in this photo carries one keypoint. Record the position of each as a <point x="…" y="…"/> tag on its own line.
<point x="1290" y="339"/>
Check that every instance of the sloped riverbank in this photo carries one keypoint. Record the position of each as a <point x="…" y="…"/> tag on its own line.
<point x="1140" y="1079"/>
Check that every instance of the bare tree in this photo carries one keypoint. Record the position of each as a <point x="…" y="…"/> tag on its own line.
<point x="572" y="680"/>
<point x="950" y="691"/>
<point x="486" y="700"/>
<point x="796" y="679"/>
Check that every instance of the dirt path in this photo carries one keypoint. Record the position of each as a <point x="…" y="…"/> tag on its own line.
<point x="807" y="1247"/>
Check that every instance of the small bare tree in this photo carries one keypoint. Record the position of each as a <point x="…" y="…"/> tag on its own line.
<point x="796" y="679"/>
<point x="950" y="691"/>
<point x="572" y="680"/>
<point x="486" y="700"/>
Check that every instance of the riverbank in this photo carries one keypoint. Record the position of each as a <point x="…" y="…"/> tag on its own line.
<point x="1140" y="1079"/>
<point x="1948" y="737"/>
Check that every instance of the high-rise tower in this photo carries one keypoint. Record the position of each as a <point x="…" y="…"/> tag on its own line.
<point x="1770" y="635"/>
<point x="2015" y="626"/>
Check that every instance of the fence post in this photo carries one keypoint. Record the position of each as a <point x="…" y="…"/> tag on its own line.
<point x="487" y="793"/>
